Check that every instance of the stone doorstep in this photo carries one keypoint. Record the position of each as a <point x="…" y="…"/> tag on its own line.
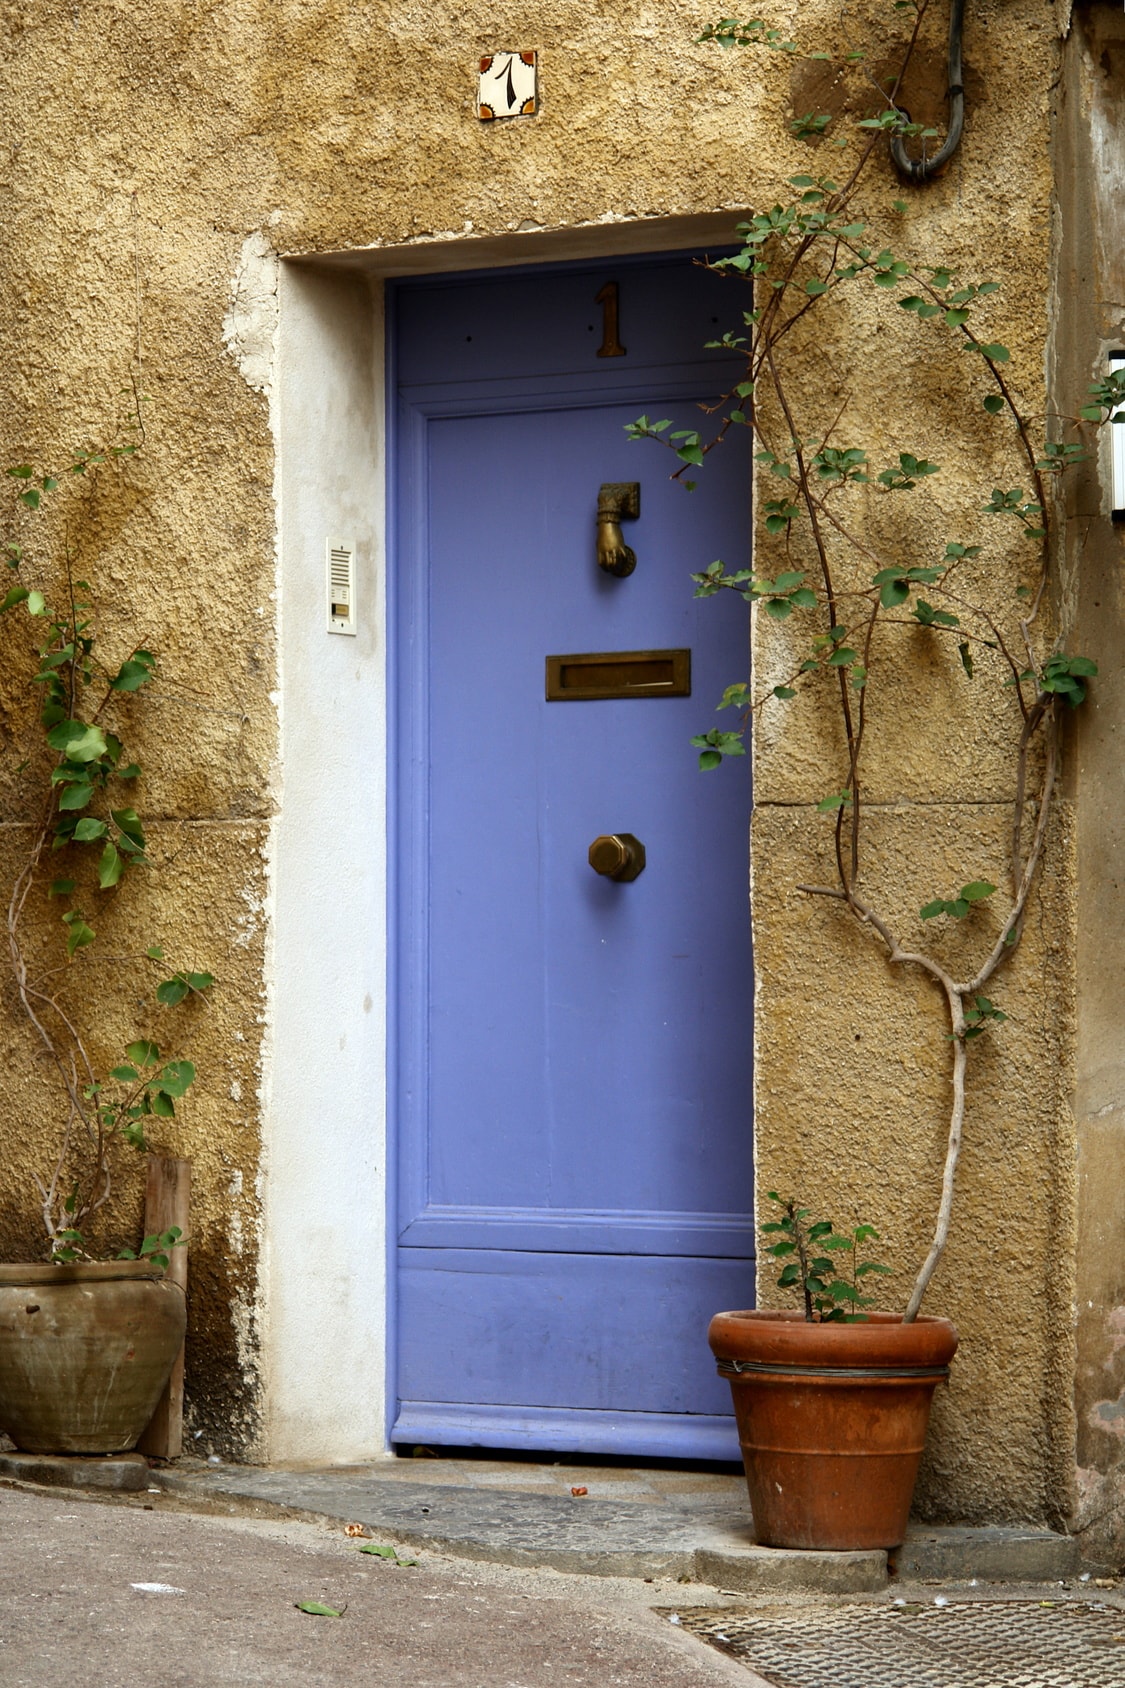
<point x="989" y="1552"/>
<point x="120" y="1473"/>
<point x="693" y="1540"/>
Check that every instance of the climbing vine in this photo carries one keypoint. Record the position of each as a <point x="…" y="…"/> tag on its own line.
<point x="831" y="591"/>
<point x="87" y="841"/>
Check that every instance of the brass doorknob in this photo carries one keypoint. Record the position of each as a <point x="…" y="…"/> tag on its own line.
<point x="617" y="855"/>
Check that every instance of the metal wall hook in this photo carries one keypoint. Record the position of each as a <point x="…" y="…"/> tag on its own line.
<point x="618" y="501"/>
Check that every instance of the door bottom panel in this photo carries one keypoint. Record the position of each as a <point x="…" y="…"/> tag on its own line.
<point x="461" y="1424"/>
<point x="499" y="1328"/>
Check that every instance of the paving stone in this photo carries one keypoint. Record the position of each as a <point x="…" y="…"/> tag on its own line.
<point x="778" y="1570"/>
<point x="459" y="1507"/>
<point x="652" y="1538"/>
<point x="989" y="1552"/>
<point x="124" y="1473"/>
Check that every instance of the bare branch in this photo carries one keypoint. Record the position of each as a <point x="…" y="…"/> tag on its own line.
<point x="952" y="1155"/>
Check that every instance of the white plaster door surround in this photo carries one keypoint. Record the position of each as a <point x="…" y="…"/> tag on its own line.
<point x="310" y="338"/>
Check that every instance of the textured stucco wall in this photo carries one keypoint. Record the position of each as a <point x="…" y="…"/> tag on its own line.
<point x="1091" y="322"/>
<point x="164" y="153"/>
<point x="853" y="1089"/>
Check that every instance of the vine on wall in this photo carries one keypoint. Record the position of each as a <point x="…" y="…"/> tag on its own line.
<point x="86" y="843"/>
<point x="831" y="579"/>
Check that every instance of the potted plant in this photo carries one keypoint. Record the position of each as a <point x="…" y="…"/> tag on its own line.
<point x="832" y="1402"/>
<point x="862" y="598"/>
<point x="88" y="1336"/>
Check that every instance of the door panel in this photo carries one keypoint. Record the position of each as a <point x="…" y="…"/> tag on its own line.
<point x="574" y="1096"/>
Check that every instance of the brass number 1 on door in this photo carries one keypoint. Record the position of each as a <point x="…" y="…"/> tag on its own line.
<point x="611" y="346"/>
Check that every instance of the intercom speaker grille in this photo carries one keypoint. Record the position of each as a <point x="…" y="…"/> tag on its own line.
<point x="339" y="566"/>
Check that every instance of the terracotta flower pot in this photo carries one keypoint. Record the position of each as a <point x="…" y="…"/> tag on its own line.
<point x="85" y="1351"/>
<point x="832" y="1421"/>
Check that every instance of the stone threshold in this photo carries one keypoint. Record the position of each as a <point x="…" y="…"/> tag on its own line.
<point x="629" y="1522"/>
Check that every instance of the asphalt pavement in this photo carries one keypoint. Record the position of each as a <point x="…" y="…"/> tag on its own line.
<point x="136" y="1594"/>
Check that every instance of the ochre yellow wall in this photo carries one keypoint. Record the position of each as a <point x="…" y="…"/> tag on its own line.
<point x="143" y="148"/>
<point x="1091" y="322"/>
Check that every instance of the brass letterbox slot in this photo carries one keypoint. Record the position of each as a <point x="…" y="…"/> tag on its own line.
<point x="606" y="674"/>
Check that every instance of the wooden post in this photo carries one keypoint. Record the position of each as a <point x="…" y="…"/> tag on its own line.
<point x="167" y="1203"/>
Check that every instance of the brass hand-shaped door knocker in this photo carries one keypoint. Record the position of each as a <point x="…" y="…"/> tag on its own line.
<point x="618" y="501"/>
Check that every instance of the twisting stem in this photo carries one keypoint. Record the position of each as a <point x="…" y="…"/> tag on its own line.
<point x="811" y="505"/>
<point x="952" y="1155"/>
<point x="956" y="994"/>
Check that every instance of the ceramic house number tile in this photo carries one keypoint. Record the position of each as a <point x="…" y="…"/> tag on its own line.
<point x="508" y="86"/>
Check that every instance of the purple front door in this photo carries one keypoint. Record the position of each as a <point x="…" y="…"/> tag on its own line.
<point x="573" y="1083"/>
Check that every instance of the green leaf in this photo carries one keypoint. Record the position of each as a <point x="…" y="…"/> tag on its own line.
<point x="784" y="692"/>
<point x="930" y="617"/>
<point x="966" y="656"/>
<point x="133" y="673"/>
<point x="124" y="1075"/>
<point x="127" y="821"/>
<point x="172" y="991"/>
<point x="932" y="910"/>
<point x="79" y="934"/>
<point x="154" y="952"/>
<point x="61" y="888"/>
<point x="176" y="1077"/>
<point x="77" y="741"/>
<point x="87" y="829"/>
<point x="994" y="404"/>
<point x="977" y="891"/>
<point x="837" y="800"/>
<point x="110" y="867"/>
<point x="379" y="1549"/>
<point x="317" y="1609"/>
<point x="143" y="1053"/>
<point x="76" y="796"/>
